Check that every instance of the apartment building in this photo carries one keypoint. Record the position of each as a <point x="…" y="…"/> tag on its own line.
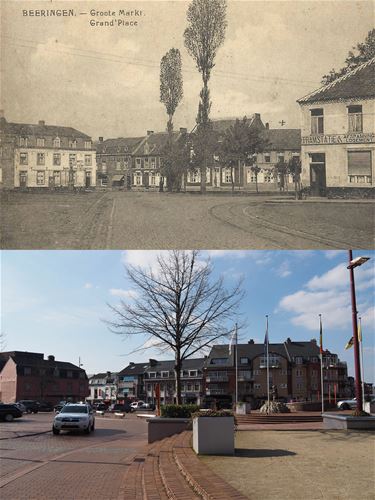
<point x="294" y="370"/>
<point x="103" y="388"/>
<point x="338" y="135"/>
<point x="45" y="156"/>
<point x="131" y="382"/>
<point x="27" y="375"/>
<point x="162" y="373"/>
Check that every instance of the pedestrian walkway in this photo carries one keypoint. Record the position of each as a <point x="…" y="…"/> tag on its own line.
<point x="171" y="470"/>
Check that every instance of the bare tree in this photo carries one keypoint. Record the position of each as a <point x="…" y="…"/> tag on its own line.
<point x="171" y="93"/>
<point x="178" y="306"/>
<point x="203" y="37"/>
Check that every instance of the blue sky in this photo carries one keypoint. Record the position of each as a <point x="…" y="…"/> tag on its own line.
<point x="54" y="301"/>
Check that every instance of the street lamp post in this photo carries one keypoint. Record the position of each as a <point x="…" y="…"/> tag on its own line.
<point x="357" y="365"/>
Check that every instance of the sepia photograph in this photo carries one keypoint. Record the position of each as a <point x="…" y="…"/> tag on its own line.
<point x="240" y="124"/>
<point x="187" y="249"/>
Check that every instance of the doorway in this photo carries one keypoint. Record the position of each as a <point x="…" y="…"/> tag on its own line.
<point x="23" y="179"/>
<point x="318" y="174"/>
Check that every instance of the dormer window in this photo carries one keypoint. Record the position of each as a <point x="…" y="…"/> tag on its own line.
<point x="23" y="141"/>
<point x="56" y="142"/>
<point x="87" y="144"/>
<point x="40" y="142"/>
<point x="73" y="143"/>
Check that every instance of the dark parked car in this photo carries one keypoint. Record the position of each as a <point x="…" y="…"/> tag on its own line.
<point x="30" y="405"/>
<point x="45" y="406"/>
<point x="120" y="408"/>
<point x="59" y="406"/>
<point x="100" y="407"/>
<point x="8" y="412"/>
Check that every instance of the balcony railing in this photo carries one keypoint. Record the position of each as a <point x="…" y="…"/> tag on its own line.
<point x="213" y="392"/>
<point x="217" y="378"/>
<point x="272" y="364"/>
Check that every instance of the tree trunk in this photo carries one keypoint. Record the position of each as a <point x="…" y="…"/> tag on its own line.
<point x="256" y="183"/>
<point x="177" y="370"/>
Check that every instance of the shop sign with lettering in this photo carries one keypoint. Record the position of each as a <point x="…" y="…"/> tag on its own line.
<point x="351" y="138"/>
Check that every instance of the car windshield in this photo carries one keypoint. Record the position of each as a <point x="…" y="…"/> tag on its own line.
<point x="74" y="409"/>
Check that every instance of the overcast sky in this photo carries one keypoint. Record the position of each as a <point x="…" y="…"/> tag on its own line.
<point x="104" y="81"/>
<point x="54" y="301"/>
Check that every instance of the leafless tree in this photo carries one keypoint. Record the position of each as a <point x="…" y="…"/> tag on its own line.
<point x="171" y="93"/>
<point x="178" y="305"/>
<point x="203" y="37"/>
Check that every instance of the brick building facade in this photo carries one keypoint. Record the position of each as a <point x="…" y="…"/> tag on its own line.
<point x="27" y="375"/>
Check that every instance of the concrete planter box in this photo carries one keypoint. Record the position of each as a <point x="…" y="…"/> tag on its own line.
<point x="160" y="427"/>
<point x="369" y="407"/>
<point x="243" y="408"/>
<point x="213" y="435"/>
<point x="347" y="422"/>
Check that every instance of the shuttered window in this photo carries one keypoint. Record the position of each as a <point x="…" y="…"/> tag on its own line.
<point x="359" y="166"/>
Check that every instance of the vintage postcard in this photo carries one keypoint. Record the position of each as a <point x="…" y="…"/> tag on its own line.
<point x="173" y="124"/>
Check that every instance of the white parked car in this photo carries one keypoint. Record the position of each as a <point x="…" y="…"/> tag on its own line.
<point x="347" y="404"/>
<point x="74" y="417"/>
<point x="139" y="405"/>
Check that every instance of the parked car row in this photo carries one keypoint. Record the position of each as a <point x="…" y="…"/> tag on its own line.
<point x="8" y="412"/>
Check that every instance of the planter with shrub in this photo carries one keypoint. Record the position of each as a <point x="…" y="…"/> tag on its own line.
<point x="213" y="432"/>
<point x="173" y="420"/>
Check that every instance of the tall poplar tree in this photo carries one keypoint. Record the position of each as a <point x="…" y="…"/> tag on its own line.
<point x="203" y="37"/>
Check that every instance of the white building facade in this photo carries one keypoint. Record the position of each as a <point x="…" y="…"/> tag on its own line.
<point x="49" y="156"/>
<point x="338" y="135"/>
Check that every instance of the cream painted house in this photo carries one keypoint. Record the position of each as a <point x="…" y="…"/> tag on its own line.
<point x="338" y="135"/>
<point x="49" y="156"/>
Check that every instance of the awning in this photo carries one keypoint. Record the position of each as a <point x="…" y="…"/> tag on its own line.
<point x="117" y="178"/>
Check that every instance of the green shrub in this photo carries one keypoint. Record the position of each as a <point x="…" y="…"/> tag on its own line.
<point x="178" y="411"/>
<point x="213" y="413"/>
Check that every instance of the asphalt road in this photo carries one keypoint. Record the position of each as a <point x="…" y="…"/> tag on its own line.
<point x="139" y="220"/>
<point x="67" y="466"/>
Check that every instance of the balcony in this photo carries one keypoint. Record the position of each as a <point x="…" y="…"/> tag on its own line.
<point x="272" y="364"/>
<point x="216" y="392"/>
<point x="217" y="378"/>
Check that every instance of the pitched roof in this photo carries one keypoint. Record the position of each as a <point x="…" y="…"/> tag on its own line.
<point x="121" y="145"/>
<point x="134" y="369"/>
<point x="221" y="125"/>
<point x="154" y="143"/>
<point x="25" y="129"/>
<point x="25" y="358"/>
<point x="283" y="139"/>
<point x="358" y="83"/>
<point x="288" y="349"/>
<point x="192" y="364"/>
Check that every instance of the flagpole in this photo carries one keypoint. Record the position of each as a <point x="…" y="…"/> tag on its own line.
<point x="321" y="360"/>
<point x="361" y="350"/>
<point x="268" y="369"/>
<point x="236" y="354"/>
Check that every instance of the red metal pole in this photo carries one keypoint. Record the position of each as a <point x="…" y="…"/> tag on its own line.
<point x="357" y="364"/>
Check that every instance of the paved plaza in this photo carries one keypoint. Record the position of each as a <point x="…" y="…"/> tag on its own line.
<point x="132" y="220"/>
<point x="115" y="461"/>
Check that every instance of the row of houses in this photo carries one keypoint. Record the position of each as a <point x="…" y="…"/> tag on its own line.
<point x="294" y="372"/>
<point x="336" y="145"/>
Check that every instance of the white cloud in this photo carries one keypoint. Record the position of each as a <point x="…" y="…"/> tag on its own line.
<point x="88" y="285"/>
<point x="142" y="258"/>
<point x="331" y="254"/>
<point x="284" y="269"/>
<point x="124" y="294"/>
<point x="338" y="277"/>
<point x="329" y="294"/>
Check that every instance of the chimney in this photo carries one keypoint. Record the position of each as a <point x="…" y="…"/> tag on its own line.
<point x="1" y="113"/>
<point x="150" y="132"/>
<point x="251" y="341"/>
<point x="100" y="139"/>
<point x="152" y="362"/>
<point x="257" y="115"/>
<point x="288" y="341"/>
<point x="131" y="363"/>
<point x="51" y="358"/>
<point x="183" y="130"/>
<point x="267" y="126"/>
<point x="41" y="123"/>
<point x="313" y="341"/>
<point x="108" y="374"/>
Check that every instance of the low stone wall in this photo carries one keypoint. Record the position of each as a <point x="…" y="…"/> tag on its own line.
<point x="347" y="422"/>
<point x="160" y="428"/>
<point x="310" y="406"/>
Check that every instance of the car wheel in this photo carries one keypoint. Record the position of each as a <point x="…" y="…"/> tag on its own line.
<point x="55" y="431"/>
<point x="93" y="427"/>
<point x="28" y="410"/>
<point x="88" y="430"/>
<point x="8" y="417"/>
<point x="35" y="411"/>
<point x="345" y="406"/>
